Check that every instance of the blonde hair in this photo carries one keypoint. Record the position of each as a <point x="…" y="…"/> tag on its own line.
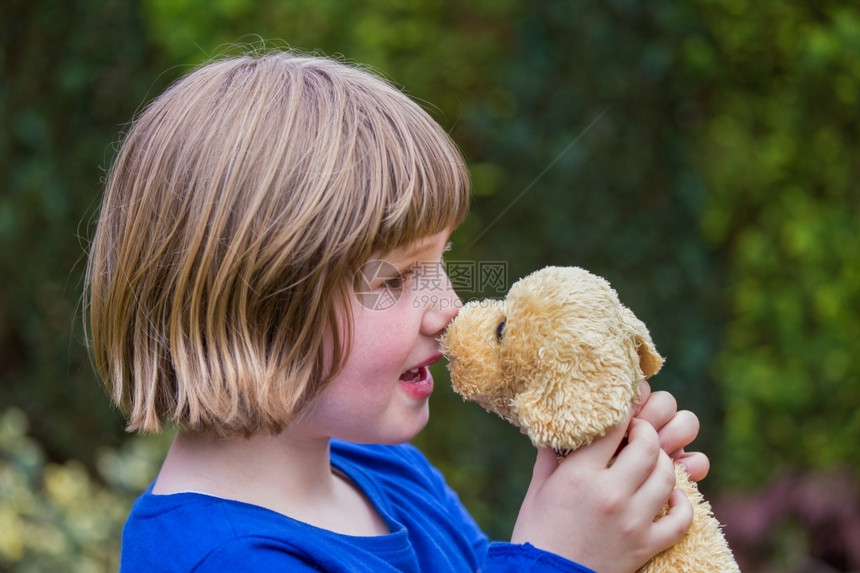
<point x="240" y="206"/>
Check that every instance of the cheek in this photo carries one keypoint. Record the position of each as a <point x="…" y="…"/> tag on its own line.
<point x="382" y="332"/>
<point x="346" y="400"/>
<point x="381" y="344"/>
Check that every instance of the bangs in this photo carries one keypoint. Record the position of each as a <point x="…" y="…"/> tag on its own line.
<point x="430" y="195"/>
<point x="415" y="177"/>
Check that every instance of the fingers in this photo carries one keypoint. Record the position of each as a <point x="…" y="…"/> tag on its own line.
<point x="650" y="474"/>
<point x="602" y="450"/>
<point x="679" y="431"/>
<point x="697" y="464"/>
<point x="644" y="393"/>
<point x="659" y="486"/>
<point x="640" y="455"/>
<point x="658" y="408"/>
<point x="670" y="528"/>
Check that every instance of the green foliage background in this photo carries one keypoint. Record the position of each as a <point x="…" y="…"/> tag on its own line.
<point x="702" y="155"/>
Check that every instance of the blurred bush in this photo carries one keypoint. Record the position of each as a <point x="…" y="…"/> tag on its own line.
<point x="778" y="143"/>
<point x="70" y="74"/>
<point x="60" y="517"/>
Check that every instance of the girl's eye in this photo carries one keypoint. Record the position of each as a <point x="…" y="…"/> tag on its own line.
<point x="395" y="283"/>
<point x="398" y="282"/>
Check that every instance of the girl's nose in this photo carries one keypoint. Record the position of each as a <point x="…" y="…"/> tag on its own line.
<point x="439" y="310"/>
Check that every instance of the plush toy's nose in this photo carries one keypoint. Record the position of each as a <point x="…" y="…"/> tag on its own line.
<point x="471" y="345"/>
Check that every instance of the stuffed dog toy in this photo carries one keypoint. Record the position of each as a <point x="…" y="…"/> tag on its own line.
<point x="561" y="358"/>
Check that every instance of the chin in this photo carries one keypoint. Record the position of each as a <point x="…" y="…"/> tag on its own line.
<point x="400" y="433"/>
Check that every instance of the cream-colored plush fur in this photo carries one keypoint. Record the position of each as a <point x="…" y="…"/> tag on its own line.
<point x="561" y="358"/>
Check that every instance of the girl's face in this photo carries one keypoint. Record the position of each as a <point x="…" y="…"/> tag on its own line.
<point x="404" y="301"/>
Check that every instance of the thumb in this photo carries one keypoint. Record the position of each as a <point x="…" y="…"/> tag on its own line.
<point x="601" y="451"/>
<point x="545" y="464"/>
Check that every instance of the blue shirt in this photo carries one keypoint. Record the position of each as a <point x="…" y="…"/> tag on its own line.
<point x="430" y="528"/>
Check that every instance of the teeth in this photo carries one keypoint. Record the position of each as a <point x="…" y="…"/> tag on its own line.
<point x="411" y="375"/>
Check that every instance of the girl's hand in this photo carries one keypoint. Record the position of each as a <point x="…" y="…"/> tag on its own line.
<point x="602" y="516"/>
<point x="676" y="429"/>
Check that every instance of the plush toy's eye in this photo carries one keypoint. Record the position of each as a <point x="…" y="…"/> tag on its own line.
<point x="500" y="330"/>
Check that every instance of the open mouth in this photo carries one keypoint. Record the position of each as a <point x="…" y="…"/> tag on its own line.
<point x="414" y="375"/>
<point x="417" y="382"/>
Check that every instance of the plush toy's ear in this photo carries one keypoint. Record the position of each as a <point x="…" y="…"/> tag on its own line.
<point x="650" y="360"/>
<point x="567" y="351"/>
<point x="565" y="411"/>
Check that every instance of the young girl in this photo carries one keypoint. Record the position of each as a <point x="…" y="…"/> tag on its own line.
<point x="236" y="225"/>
